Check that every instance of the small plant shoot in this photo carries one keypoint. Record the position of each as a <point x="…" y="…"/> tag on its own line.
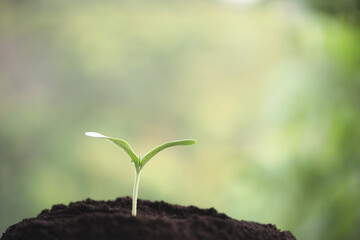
<point x="138" y="161"/>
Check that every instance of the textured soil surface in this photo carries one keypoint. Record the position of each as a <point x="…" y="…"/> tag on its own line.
<point x="102" y="220"/>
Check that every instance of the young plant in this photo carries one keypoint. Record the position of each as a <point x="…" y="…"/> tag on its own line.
<point x="138" y="161"/>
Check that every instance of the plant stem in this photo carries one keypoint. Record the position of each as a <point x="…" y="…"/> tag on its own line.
<point x="135" y="191"/>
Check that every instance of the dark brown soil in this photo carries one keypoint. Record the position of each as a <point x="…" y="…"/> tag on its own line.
<point x="107" y="220"/>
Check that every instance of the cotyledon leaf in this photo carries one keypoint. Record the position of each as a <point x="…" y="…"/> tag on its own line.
<point x="156" y="150"/>
<point x="123" y="145"/>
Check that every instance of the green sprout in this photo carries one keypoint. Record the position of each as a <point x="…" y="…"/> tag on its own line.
<point x="138" y="161"/>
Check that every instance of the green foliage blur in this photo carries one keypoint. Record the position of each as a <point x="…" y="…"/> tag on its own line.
<point x="270" y="89"/>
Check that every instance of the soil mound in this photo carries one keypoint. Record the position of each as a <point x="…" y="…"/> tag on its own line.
<point x="110" y="220"/>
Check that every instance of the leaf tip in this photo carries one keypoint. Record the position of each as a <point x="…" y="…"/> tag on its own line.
<point x="94" y="134"/>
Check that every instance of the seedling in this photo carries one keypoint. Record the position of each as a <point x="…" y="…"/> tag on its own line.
<point x="138" y="161"/>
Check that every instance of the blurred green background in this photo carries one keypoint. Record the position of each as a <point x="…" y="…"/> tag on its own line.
<point x="270" y="89"/>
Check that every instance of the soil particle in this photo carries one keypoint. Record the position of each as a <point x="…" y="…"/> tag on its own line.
<point x="108" y="220"/>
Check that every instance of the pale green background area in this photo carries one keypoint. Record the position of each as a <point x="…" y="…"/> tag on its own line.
<point x="270" y="91"/>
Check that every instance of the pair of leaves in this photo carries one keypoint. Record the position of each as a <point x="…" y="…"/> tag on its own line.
<point x="140" y="162"/>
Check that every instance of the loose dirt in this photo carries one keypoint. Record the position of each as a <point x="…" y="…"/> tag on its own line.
<point x="110" y="220"/>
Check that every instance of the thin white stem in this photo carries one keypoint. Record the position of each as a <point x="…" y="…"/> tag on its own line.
<point x="135" y="191"/>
